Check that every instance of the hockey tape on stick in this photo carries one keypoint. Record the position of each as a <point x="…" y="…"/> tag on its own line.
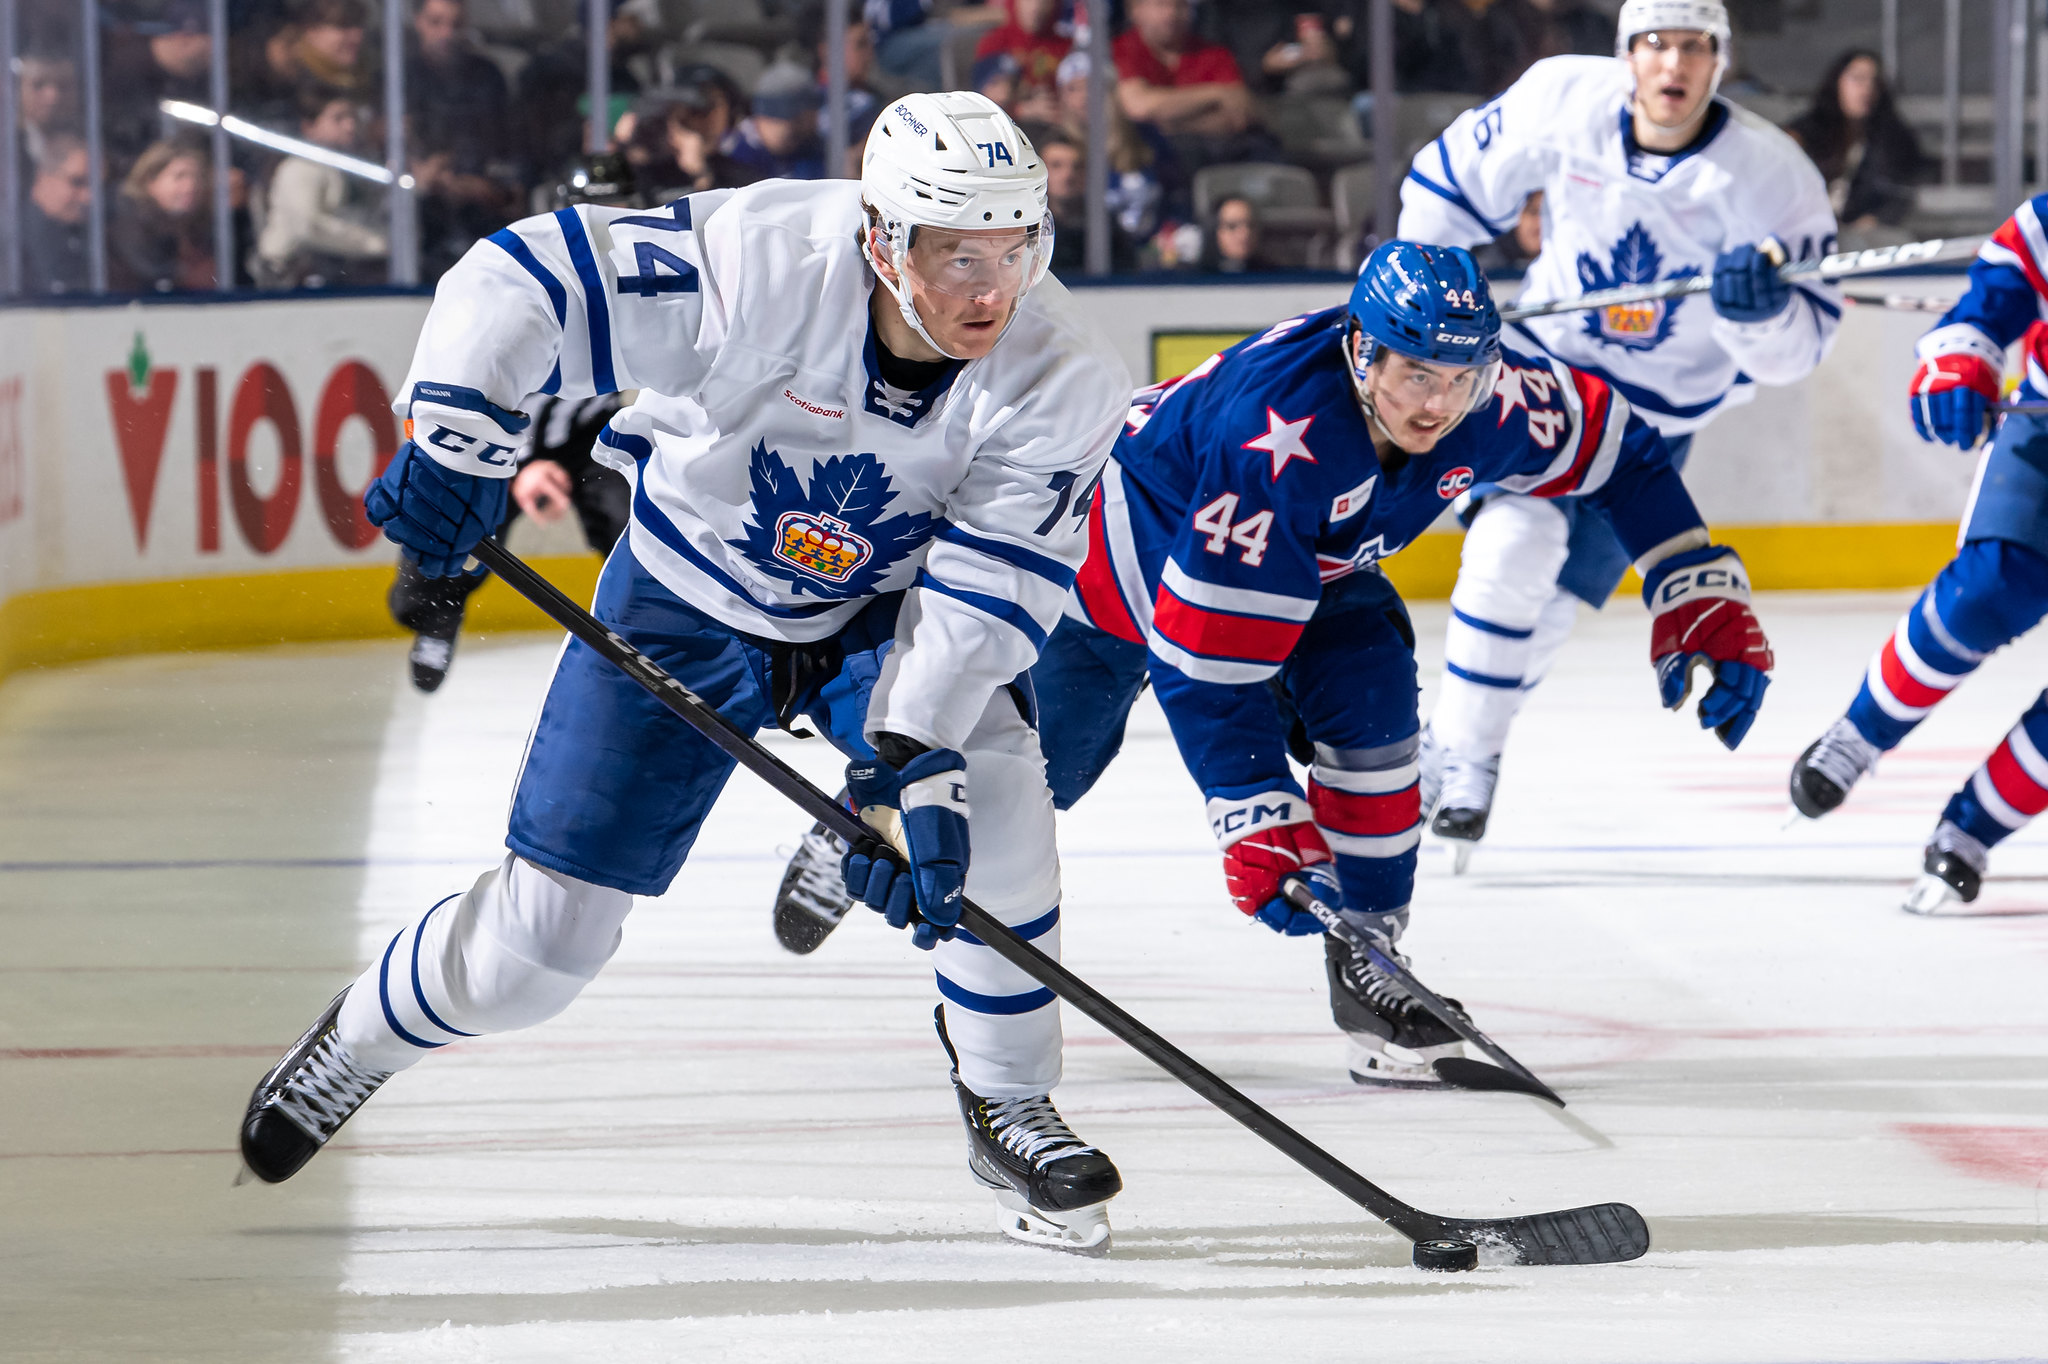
<point x="1843" y="263"/>
<point x="1602" y="1233"/>
<point x="1379" y="950"/>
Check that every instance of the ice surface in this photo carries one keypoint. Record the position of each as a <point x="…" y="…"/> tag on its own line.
<point x="1834" y="1116"/>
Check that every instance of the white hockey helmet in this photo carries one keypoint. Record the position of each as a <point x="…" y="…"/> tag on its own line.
<point x="956" y="162"/>
<point x="1699" y="16"/>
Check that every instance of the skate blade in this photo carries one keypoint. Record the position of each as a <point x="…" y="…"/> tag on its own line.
<point x="1078" y="1231"/>
<point x="243" y="1175"/>
<point x="1376" y="1068"/>
<point x="1461" y="856"/>
<point x="1929" y="896"/>
<point x="1793" y="819"/>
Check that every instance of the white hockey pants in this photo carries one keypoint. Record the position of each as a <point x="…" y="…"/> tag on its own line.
<point x="522" y="942"/>
<point x="1508" y="620"/>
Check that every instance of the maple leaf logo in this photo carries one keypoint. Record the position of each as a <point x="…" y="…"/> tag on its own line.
<point x="830" y="539"/>
<point x="1634" y="260"/>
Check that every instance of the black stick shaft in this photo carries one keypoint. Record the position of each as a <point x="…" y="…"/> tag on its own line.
<point x="748" y="753"/>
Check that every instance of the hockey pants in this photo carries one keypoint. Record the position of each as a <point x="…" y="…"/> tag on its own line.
<point x="1346" y="697"/>
<point x="1526" y="564"/>
<point x="611" y="798"/>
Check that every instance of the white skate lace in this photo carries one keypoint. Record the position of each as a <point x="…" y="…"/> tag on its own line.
<point x="818" y="888"/>
<point x="1468" y="782"/>
<point x="325" y="1089"/>
<point x="1032" y="1129"/>
<point x="1949" y="838"/>
<point x="1377" y="987"/>
<point x="1843" y="755"/>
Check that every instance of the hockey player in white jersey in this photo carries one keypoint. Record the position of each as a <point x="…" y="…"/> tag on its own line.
<point x="852" y="505"/>
<point x="1646" y="175"/>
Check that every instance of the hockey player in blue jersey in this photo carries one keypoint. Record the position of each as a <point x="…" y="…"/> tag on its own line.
<point x="1233" y="551"/>
<point x="1991" y="593"/>
<point x="863" y="412"/>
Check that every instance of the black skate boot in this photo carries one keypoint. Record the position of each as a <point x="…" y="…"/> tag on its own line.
<point x="1052" y="1189"/>
<point x="1465" y="802"/>
<point x="303" y="1101"/>
<point x="432" y="608"/>
<point x="1952" y="869"/>
<point x="1827" y="769"/>
<point x="812" y="898"/>
<point x="1375" y="1013"/>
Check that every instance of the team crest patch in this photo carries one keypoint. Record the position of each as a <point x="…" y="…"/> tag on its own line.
<point x="1634" y="260"/>
<point x="828" y="539"/>
<point x="1454" y="482"/>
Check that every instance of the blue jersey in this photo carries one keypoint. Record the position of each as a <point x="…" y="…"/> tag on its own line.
<point x="2008" y="294"/>
<point x="1236" y="492"/>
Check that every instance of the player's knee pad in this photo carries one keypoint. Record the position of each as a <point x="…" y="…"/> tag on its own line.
<point x="1990" y="594"/>
<point x="1512" y="555"/>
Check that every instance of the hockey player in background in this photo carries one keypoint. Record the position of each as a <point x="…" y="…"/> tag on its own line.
<point x="1233" y="554"/>
<point x="863" y="412"/>
<point x="1646" y="175"/>
<point x="1991" y="593"/>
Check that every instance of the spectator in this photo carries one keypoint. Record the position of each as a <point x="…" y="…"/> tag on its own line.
<point x="166" y="56"/>
<point x="1556" y="28"/>
<point x="1189" y="89"/>
<point x="325" y="226"/>
<point x="1430" y="45"/>
<point x="908" y="43"/>
<point x="46" y="92"/>
<point x="322" y="50"/>
<point x="1234" y="246"/>
<point x="1066" y="194"/>
<point x="53" y="236"/>
<point x="1017" y="63"/>
<point x="672" y="138"/>
<point x="160" y="238"/>
<point x="780" y="138"/>
<point x="863" y="101"/>
<point x="1866" y="152"/>
<point x="552" y="111"/>
<point x="1137" y="183"/>
<point x="1285" y="46"/>
<point x="456" y="100"/>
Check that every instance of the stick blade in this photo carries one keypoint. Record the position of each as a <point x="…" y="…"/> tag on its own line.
<point x="1461" y="1072"/>
<point x="1601" y="1234"/>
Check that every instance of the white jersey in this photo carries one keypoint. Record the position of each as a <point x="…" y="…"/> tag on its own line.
<point x="781" y="483"/>
<point x="1616" y="215"/>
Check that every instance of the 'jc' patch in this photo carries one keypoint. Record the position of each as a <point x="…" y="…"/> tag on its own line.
<point x="1454" y="482"/>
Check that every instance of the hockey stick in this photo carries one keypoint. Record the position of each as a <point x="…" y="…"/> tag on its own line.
<point x="1510" y="1075"/>
<point x="1603" y="1233"/>
<point x="1930" y="252"/>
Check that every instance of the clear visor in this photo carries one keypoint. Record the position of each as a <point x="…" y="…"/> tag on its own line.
<point x="1399" y="383"/>
<point x="983" y="267"/>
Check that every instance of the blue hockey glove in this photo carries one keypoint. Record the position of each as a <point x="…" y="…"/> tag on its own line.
<point x="1283" y="916"/>
<point x="437" y="514"/>
<point x="1700" y="616"/>
<point x="1952" y="394"/>
<point x="928" y="793"/>
<point x="1747" y="286"/>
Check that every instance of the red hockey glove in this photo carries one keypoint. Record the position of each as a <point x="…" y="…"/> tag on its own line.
<point x="1266" y="837"/>
<point x="1699" y="614"/>
<point x="1955" y="385"/>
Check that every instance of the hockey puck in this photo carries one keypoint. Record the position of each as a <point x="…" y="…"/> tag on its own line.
<point x="1446" y="1257"/>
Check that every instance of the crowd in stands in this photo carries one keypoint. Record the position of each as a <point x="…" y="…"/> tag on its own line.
<point x="1238" y="129"/>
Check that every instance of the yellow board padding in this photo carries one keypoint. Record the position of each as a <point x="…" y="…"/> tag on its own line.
<point x="1779" y="558"/>
<point x="100" y="620"/>
<point x="1175" y="353"/>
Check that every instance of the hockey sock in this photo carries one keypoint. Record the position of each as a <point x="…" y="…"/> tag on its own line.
<point x="2012" y="785"/>
<point x="511" y="952"/>
<point x="1005" y="1026"/>
<point x="1366" y="803"/>
<point x="1991" y="593"/>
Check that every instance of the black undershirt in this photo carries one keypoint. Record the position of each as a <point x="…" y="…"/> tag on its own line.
<point x="912" y="376"/>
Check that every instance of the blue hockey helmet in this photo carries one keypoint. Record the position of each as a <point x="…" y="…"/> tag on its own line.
<point x="1430" y="304"/>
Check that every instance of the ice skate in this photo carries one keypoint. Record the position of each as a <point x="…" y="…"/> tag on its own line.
<point x="304" y="1100"/>
<point x="1376" y="1013"/>
<point x="1465" y="802"/>
<point x="429" y="659"/>
<point x="1829" y="767"/>
<point x="812" y="898"/>
<point x="432" y="608"/>
<point x="1429" y="771"/>
<point x="1951" y="871"/>
<point x="1052" y="1189"/>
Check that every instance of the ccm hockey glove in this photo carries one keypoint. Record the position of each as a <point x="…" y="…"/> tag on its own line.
<point x="437" y="514"/>
<point x="1747" y="286"/>
<point x="1956" y="384"/>
<point x="1266" y="837"/>
<point x="925" y="794"/>
<point x="1699" y="615"/>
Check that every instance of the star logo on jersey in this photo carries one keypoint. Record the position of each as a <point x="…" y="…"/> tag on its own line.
<point x="829" y="539"/>
<point x="1283" y="440"/>
<point x="1634" y="260"/>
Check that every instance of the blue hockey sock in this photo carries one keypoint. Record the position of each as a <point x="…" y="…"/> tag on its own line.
<point x="1992" y="592"/>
